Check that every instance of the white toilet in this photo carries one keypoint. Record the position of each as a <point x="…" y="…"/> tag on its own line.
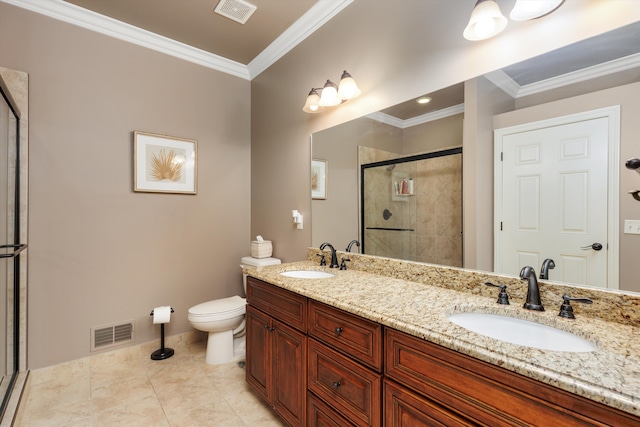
<point x="224" y="320"/>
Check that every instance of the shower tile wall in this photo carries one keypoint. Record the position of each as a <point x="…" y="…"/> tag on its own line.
<point x="439" y="210"/>
<point x="434" y="212"/>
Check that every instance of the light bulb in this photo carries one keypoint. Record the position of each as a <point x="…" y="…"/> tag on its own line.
<point x="348" y="88"/>
<point x="532" y="9"/>
<point x="329" y="96"/>
<point x="312" y="105"/>
<point x="486" y="21"/>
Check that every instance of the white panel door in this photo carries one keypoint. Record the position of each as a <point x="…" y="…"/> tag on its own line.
<point x="554" y="201"/>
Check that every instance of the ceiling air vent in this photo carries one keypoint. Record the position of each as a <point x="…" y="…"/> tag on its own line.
<point x="111" y="335"/>
<point x="238" y="10"/>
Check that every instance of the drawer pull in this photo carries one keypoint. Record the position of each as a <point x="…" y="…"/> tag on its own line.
<point x="336" y="384"/>
<point x="269" y="328"/>
<point x="338" y="331"/>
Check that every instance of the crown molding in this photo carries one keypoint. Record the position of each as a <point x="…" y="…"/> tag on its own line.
<point x="509" y="86"/>
<point x="414" y="121"/>
<point x="319" y="14"/>
<point x="595" y="71"/>
<point x="504" y="82"/>
<point x="381" y="117"/>
<point x="315" y="17"/>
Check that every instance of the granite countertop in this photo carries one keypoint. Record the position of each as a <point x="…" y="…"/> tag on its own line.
<point x="609" y="375"/>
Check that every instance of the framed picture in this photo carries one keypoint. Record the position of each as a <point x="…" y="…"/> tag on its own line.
<point x="164" y="164"/>
<point x="319" y="169"/>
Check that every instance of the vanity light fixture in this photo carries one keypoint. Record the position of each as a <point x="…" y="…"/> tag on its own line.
<point x="313" y="103"/>
<point x="331" y="94"/>
<point x="486" y="21"/>
<point x="525" y="10"/>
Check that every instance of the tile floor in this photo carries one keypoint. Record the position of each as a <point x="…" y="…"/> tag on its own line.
<point x="126" y="388"/>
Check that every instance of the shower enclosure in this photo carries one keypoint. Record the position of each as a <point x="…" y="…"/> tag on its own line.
<point x="411" y="207"/>
<point x="10" y="245"/>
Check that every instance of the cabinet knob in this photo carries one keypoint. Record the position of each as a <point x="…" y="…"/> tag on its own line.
<point x="338" y="331"/>
<point x="336" y="384"/>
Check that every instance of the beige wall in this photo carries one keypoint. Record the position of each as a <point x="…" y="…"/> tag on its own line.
<point x="98" y="252"/>
<point x="433" y="136"/>
<point x="628" y="97"/>
<point x="482" y="101"/>
<point x="405" y="59"/>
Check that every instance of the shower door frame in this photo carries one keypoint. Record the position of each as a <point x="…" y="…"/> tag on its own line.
<point x="399" y="160"/>
<point x="12" y="250"/>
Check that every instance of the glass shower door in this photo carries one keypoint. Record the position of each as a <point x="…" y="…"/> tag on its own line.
<point x="10" y="247"/>
<point x="411" y="208"/>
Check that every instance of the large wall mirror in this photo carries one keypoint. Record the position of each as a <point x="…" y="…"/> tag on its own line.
<point x="608" y="62"/>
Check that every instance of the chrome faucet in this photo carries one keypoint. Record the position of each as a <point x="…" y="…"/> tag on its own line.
<point x="533" y="293"/>
<point x="351" y="243"/>
<point x="547" y="265"/>
<point x="334" y="257"/>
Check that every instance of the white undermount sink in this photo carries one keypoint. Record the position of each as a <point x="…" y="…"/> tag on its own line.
<point x="522" y="332"/>
<point x="307" y="274"/>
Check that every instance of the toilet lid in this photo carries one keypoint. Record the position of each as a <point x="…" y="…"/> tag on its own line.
<point x="223" y="305"/>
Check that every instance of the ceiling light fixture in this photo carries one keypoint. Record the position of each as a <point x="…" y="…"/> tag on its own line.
<point x="486" y="21"/>
<point x="532" y="9"/>
<point x="423" y="100"/>
<point x="331" y="94"/>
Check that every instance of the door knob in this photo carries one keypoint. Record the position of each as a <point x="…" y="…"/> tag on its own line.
<point x="595" y="247"/>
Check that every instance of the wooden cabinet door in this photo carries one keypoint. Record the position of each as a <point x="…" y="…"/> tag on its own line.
<point x="319" y="414"/>
<point x="403" y="408"/>
<point x="289" y="355"/>
<point x="258" y="360"/>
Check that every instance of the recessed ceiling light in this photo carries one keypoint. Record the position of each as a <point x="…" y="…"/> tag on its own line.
<point x="423" y="100"/>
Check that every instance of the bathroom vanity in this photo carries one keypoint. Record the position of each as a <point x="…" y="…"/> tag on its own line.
<point x="369" y="349"/>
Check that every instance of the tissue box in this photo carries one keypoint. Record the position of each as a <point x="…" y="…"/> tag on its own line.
<point x="262" y="249"/>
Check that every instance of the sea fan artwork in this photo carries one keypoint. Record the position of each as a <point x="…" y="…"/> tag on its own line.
<point x="314" y="180"/>
<point x="166" y="166"/>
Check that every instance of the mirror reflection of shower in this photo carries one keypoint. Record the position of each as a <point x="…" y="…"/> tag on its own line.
<point x="411" y="207"/>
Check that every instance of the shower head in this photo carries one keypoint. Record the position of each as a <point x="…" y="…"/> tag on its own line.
<point x="391" y="167"/>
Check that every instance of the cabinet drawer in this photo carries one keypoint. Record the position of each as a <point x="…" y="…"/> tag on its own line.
<point x="359" y="338"/>
<point x="403" y="408"/>
<point x="486" y="393"/>
<point x="319" y="414"/>
<point x="283" y="305"/>
<point x="353" y="390"/>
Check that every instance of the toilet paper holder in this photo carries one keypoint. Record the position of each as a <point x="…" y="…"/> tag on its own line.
<point x="162" y="353"/>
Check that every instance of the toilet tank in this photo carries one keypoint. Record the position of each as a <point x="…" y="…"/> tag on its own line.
<point x="249" y="262"/>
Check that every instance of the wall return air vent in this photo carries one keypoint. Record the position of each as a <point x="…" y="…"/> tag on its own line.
<point x="113" y="335"/>
<point x="238" y="10"/>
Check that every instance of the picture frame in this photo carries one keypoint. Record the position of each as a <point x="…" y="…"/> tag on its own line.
<point x="164" y="164"/>
<point x="319" y="179"/>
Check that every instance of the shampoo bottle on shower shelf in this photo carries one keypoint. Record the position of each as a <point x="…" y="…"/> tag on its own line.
<point x="404" y="187"/>
<point x="410" y="186"/>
